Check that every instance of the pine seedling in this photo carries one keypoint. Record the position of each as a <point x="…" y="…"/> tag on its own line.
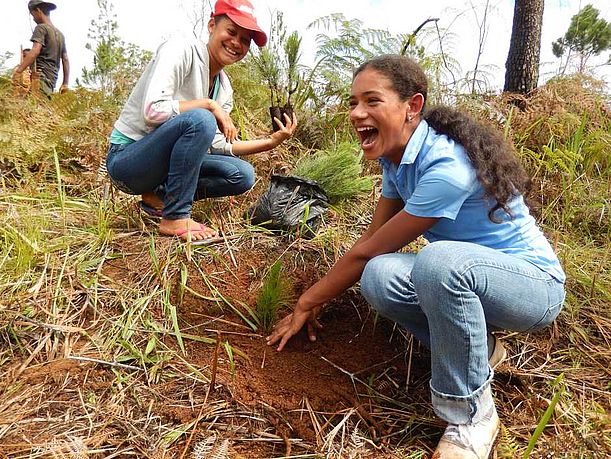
<point x="337" y="171"/>
<point x="272" y="296"/>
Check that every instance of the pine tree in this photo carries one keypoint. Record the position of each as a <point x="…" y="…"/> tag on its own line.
<point x="116" y="65"/>
<point x="522" y="66"/>
<point x="587" y="35"/>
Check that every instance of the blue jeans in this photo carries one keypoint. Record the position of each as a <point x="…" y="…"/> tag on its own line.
<point x="449" y="296"/>
<point x="174" y="162"/>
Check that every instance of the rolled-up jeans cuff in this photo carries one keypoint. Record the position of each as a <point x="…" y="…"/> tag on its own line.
<point x="176" y="216"/>
<point x="467" y="409"/>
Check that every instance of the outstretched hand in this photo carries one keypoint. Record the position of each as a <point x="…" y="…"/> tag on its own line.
<point x="291" y="324"/>
<point x="286" y="129"/>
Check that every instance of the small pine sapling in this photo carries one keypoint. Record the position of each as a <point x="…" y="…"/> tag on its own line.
<point x="337" y="171"/>
<point x="274" y="295"/>
<point x="278" y="66"/>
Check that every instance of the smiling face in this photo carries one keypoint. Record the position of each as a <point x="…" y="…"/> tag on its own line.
<point x="228" y="42"/>
<point x="381" y="119"/>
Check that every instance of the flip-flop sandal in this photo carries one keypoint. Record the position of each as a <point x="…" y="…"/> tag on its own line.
<point x="182" y="232"/>
<point x="204" y="227"/>
<point x="208" y="241"/>
<point x="149" y="210"/>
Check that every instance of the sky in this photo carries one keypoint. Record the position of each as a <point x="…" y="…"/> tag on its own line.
<point x="147" y="23"/>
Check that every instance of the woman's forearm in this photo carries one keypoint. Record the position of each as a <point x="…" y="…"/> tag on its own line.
<point x="385" y="235"/>
<point x="343" y="275"/>
<point x="249" y="147"/>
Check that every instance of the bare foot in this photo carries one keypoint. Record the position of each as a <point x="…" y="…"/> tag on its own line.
<point x="152" y="200"/>
<point x="186" y="229"/>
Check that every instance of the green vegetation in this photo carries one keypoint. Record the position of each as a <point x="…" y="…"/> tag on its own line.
<point x="273" y="296"/>
<point x="545" y="418"/>
<point x="116" y="65"/>
<point x="588" y="35"/>
<point x="278" y="64"/>
<point x="337" y="171"/>
<point x="115" y="341"/>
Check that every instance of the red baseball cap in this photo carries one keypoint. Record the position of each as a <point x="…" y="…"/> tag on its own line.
<point x="243" y="14"/>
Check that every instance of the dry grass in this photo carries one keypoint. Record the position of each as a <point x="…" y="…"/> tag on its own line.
<point x="98" y="357"/>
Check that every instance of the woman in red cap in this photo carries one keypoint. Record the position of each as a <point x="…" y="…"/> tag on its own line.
<point x="174" y="142"/>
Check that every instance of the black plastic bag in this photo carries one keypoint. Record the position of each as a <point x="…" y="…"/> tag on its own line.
<point x="291" y="204"/>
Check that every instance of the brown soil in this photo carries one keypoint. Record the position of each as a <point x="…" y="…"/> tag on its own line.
<point x="339" y="371"/>
<point x="361" y="375"/>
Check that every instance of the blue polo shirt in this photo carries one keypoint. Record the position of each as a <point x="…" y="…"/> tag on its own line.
<point x="436" y="179"/>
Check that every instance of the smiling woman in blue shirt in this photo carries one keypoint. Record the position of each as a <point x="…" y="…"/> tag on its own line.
<point x="487" y="266"/>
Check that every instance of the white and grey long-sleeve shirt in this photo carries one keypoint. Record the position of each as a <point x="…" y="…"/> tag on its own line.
<point x="179" y="71"/>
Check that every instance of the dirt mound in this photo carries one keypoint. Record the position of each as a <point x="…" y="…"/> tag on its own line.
<point x="357" y="360"/>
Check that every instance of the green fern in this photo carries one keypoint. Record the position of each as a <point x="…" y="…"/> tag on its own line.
<point x="508" y="446"/>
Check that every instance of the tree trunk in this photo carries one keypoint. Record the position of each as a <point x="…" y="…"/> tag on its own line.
<point x="522" y="66"/>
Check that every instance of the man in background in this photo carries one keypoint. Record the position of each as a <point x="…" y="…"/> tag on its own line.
<point x="48" y="49"/>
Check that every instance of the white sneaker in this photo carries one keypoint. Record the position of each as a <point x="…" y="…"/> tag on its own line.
<point x="498" y="354"/>
<point x="469" y="441"/>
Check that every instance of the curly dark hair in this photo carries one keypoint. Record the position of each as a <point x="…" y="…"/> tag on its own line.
<point x="496" y="164"/>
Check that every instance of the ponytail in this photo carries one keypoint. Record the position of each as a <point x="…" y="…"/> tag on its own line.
<point x="496" y="165"/>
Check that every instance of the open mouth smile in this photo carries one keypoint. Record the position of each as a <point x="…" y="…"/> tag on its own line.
<point x="367" y="136"/>
<point x="231" y="52"/>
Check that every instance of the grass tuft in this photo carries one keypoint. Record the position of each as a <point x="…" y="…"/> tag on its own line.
<point x="337" y="171"/>
<point x="272" y="297"/>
